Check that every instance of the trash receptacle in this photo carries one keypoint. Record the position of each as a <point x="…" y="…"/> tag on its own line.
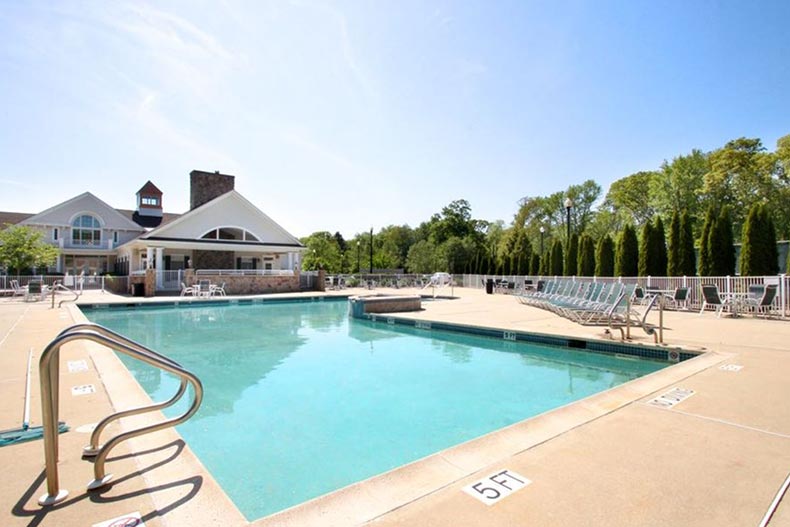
<point x="490" y="286"/>
<point x="138" y="289"/>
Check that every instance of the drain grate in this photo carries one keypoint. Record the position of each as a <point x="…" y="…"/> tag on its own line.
<point x="671" y="398"/>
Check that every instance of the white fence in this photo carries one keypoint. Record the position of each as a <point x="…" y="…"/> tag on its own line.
<point x="726" y="284"/>
<point x="75" y="282"/>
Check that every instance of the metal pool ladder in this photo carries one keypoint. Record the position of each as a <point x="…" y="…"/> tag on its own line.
<point x="49" y="367"/>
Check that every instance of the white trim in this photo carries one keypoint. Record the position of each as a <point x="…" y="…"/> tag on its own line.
<point x="33" y="220"/>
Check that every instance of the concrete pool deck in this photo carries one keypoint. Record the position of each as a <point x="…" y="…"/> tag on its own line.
<point x="717" y="458"/>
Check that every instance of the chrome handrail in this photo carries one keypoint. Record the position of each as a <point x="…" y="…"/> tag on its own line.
<point x="92" y="449"/>
<point x="50" y="382"/>
<point x="59" y="285"/>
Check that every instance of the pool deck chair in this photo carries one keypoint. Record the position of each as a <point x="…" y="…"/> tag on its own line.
<point x="187" y="290"/>
<point x="16" y="289"/>
<point x="36" y="291"/>
<point x="680" y="298"/>
<point x="710" y="296"/>
<point x="762" y="304"/>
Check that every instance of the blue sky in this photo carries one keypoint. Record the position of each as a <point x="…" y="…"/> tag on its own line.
<point x="350" y="115"/>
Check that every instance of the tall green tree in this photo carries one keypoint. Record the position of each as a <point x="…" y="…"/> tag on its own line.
<point x="323" y="252"/>
<point x="680" y="183"/>
<point x="688" y="260"/>
<point x="705" y="265"/>
<point x="720" y="245"/>
<point x="626" y="261"/>
<point x="646" y="252"/>
<point x="673" y="246"/>
<point x="23" y="248"/>
<point x="758" y="243"/>
<point x="629" y="197"/>
<point x="534" y="264"/>
<point x="658" y="246"/>
<point x="571" y="256"/>
<point x="422" y="257"/>
<point x="556" y="262"/>
<point x="586" y="258"/>
<point x="604" y="257"/>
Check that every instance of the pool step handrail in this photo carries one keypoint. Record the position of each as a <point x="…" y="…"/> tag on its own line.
<point x="49" y="368"/>
<point x="93" y="447"/>
<point x="58" y="286"/>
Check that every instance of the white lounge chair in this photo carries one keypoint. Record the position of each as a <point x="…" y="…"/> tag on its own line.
<point x="187" y="290"/>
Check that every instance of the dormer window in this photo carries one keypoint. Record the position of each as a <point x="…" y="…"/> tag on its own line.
<point x="151" y="201"/>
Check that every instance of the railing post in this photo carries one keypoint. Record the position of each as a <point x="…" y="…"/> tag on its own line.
<point x="729" y="285"/>
<point x="49" y="366"/>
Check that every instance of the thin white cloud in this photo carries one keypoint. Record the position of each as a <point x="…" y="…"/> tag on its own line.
<point x="19" y="184"/>
<point x="346" y="46"/>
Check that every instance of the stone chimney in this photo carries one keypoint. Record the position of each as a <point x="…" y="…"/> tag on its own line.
<point x="205" y="186"/>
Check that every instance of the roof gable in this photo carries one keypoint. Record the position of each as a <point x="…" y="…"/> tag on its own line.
<point x="149" y="188"/>
<point x="228" y="210"/>
<point x="63" y="214"/>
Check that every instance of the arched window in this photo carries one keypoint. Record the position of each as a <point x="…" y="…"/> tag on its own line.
<point x="230" y="233"/>
<point x="86" y="230"/>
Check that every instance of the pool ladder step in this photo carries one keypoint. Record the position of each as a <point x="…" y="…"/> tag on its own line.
<point x="49" y="368"/>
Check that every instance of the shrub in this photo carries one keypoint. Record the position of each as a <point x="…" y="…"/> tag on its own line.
<point x="604" y="257"/>
<point x="627" y="255"/>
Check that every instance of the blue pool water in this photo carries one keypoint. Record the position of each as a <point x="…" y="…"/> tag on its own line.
<point x="300" y="400"/>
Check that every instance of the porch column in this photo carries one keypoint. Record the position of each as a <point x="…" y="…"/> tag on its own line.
<point x="149" y="257"/>
<point x="59" y="263"/>
<point x="160" y="266"/>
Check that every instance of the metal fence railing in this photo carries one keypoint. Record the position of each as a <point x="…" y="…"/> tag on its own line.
<point x="79" y="283"/>
<point x="726" y="284"/>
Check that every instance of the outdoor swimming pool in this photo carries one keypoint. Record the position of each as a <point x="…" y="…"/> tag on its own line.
<point x="301" y="400"/>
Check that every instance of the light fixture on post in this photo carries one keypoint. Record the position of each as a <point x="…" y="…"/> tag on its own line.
<point x="568" y="206"/>
<point x="542" y="232"/>
<point x="358" y="269"/>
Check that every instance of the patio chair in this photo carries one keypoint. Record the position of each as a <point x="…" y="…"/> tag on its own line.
<point x="680" y="297"/>
<point x="711" y="297"/>
<point x="217" y="290"/>
<point x="639" y="296"/>
<point x="35" y="290"/>
<point x="763" y="304"/>
<point x="204" y="288"/>
<point x="187" y="290"/>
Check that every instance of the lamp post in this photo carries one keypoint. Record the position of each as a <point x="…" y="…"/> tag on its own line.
<point x="371" y="250"/>
<point x="568" y="206"/>
<point x="358" y="269"/>
<point x="542" y="232"/>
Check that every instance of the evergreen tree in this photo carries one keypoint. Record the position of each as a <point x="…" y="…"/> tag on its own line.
<point x="687" y="259"/>
<point x="658" y="246"/>
<point x="720" y="245"/>
<point x="673" y="246"/>
<point x="704" y="255"/>
<point x="556" y="264"/>
<point x="645" y="249"/>
<point x="604" y="257"/>
<point x="586" y="257"/>
<point x="571" y="256"/>
<point x="758" y="249"/>
<point x="534" y="264"/>
<point x="545" y="263"/>
<point x="626" y="262"/>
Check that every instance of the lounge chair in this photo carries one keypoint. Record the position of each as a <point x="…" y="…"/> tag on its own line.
<point x="762" y="304"/>
<point x="711" y="297"/>
<point x="639" y="296"/>
<point x="16" y="289"/>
